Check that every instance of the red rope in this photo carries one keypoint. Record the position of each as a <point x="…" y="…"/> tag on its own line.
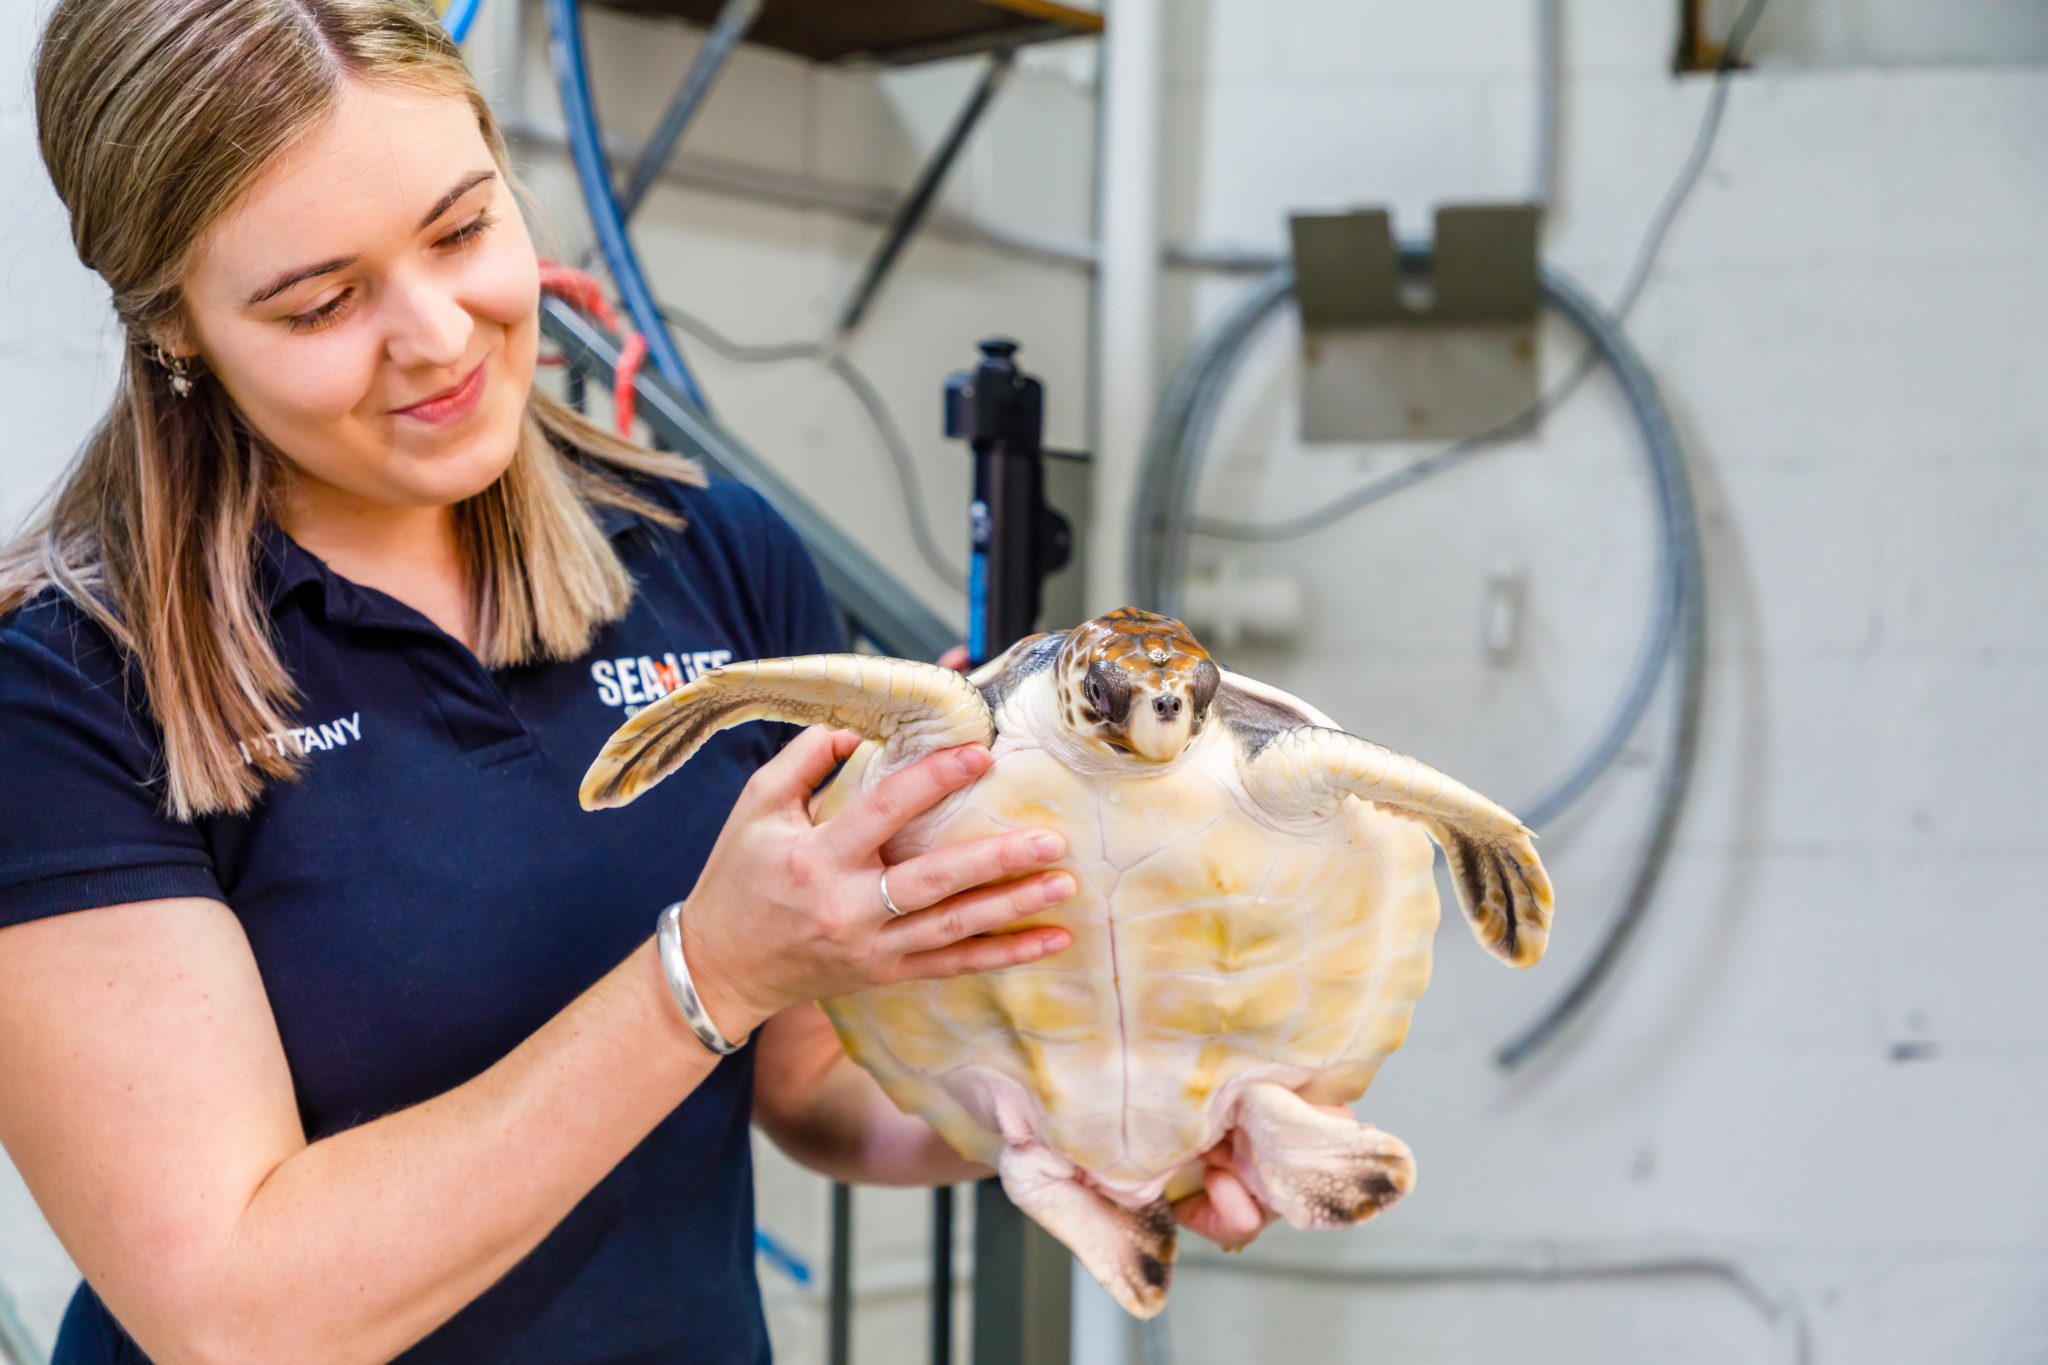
<point x="583" y="291"/>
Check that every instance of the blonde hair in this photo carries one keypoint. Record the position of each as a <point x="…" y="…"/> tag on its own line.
<point x="154" y="117"/>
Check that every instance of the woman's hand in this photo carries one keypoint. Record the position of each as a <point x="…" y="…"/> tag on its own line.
<point x="787" y="911"/>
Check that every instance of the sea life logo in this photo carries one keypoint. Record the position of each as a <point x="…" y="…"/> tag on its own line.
<point x="631" y="681"/>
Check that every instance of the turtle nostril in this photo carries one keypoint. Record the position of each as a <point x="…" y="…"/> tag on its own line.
<point x="1166" y="707"/>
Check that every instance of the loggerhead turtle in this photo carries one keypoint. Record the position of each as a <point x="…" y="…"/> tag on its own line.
<point x="1251" y="928"/>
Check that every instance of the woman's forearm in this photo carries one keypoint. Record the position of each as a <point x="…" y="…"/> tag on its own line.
<point x="853" y="1132"/>
<point x="832" y="1116"/>
<point x="362" y="1243"/>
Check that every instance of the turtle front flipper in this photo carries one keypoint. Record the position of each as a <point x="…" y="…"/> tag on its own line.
<point x="912" y="708"/>
<point x="1308" y="770"/>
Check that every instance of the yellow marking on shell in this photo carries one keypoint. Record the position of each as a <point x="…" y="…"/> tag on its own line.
<point x="1348" y="958"/>
<point x="1046" y="1003"/>
<point x="925" y="1039"/>
<point x="1212" y="1066"/>
<point x="1036" y="1076"/>
<point x="1251" y="1004"/>
<point x="1228" y="858"/>
<point x="1231" y="937"/>
<point x="1034" y="790"/>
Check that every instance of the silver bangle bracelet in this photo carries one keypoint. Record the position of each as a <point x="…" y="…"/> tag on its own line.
<point x="668" y="941"/>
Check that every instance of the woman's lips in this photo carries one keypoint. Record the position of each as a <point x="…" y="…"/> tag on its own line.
<point x="450" y="404"/>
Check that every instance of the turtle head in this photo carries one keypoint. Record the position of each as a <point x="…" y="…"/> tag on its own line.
<point x="1136" y="685"/>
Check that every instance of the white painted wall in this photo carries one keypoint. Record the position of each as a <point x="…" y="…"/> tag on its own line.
<point x="1845" y="327"/>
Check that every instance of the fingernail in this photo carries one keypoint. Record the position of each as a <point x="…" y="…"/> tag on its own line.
<point x="1048" y="946"/>
<point x="972" y="761"/>
<point x="1056" y="888"/>
<point x="1048" y="846"/>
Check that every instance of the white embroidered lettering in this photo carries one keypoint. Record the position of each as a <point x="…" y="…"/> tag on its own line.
<point x="629" y="682"/>
<point x="632" y="682"/>
<point x="306" y="739"/>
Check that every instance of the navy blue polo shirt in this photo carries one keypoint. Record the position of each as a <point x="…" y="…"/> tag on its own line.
<point x="428" y="892"/>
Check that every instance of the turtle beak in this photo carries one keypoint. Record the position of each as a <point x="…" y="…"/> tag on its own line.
<point x="1160" y="725"/>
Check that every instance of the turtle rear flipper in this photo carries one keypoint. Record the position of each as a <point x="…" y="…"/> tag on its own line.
<point x="1312" y="1168"/>
<point x="1129" y="1251"/>
<point x="1308" y="770"/>
<point x="910" y="707"/>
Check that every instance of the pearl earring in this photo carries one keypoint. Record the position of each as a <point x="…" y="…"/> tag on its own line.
<point x="180" y="369"/>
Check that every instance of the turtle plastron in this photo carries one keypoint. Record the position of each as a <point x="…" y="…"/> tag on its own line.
<point x="1252" y="922"/>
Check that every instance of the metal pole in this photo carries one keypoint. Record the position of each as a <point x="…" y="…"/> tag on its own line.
<point x="734" y="19"/>
<point x="839" y="1302"/>
<point x="942" y="1276"/>
<point x="919" y="202"/>
<point x="1022" y="1300"/>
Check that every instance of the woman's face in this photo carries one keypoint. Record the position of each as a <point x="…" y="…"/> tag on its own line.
<point x="371" y="305"/>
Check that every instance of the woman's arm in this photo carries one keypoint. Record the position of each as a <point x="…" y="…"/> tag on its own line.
<point x="148" y="1104"/>
<point x="149" y="1108"/>
<point x="832" y="1116"/>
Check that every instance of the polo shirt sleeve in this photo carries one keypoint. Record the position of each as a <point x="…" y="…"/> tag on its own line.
<point x="81" y="819"/>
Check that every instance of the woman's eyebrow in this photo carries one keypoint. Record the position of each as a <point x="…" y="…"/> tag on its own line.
<point x="289" y="278"/>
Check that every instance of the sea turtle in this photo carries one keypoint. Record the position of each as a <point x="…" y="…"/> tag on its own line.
<point x="1250" y="934"/>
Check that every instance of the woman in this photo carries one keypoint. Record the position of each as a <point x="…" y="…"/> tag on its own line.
<point x="363" y="1049"/>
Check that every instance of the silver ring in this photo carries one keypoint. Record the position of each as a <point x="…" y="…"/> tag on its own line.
<point x="887" y="903"/>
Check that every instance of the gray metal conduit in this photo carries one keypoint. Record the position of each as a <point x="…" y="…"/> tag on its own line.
<point x="1162" y="513"/>
<point x="1775" y="1303"/>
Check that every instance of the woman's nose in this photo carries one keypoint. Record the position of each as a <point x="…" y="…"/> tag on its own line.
<point x="428" y="326"/>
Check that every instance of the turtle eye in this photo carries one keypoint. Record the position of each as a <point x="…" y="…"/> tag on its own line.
<point x="1108" y="690"/>
<point x="1207" y="678"/>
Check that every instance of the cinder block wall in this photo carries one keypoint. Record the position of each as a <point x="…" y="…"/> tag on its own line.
<point x="1812" y="1096"/>
<point x="1820" y="1065"/>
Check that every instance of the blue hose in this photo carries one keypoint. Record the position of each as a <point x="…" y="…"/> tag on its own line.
<point x="572" y="78"/>
<point x="461" y="14"/>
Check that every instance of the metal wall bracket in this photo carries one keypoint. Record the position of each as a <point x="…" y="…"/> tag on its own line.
<point x="1390" y="356"/>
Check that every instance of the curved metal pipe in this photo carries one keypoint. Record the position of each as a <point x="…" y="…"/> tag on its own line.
<point x="1775" y="1303"/>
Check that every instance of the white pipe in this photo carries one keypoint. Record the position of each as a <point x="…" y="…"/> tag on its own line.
<point x="1127" y="290"/>
<point x="1127" y="387"/>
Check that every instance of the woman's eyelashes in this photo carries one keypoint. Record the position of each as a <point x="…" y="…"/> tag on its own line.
<point x="331" y="312"/>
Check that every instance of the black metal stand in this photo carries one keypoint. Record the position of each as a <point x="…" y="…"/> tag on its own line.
<point x="1021" y="1309"/>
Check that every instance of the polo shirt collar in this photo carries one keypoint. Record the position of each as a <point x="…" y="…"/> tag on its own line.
<point x="284" y="566"/>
